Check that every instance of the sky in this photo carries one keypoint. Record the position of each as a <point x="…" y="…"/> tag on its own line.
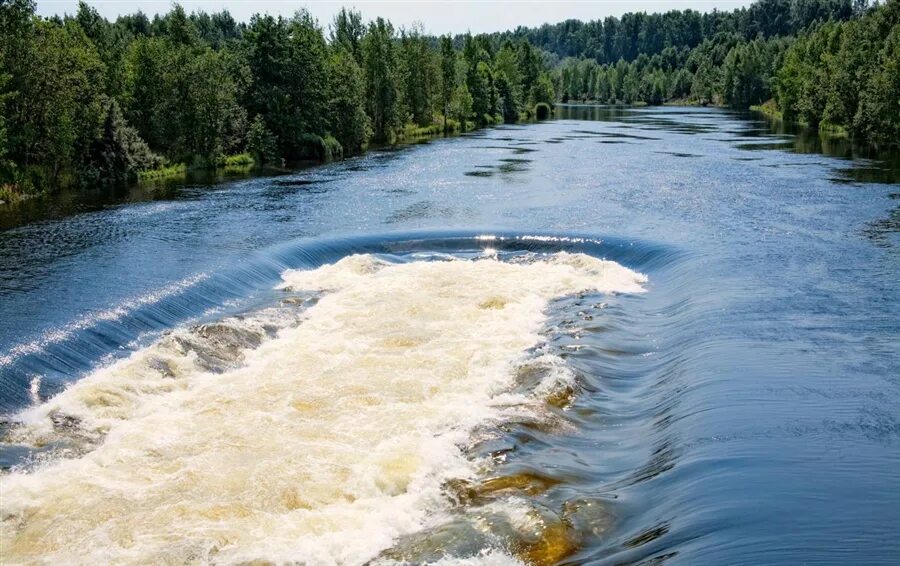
<point x="437" y="17"/>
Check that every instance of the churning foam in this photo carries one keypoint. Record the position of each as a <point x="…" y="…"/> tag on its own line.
<point x="323" y="446"/>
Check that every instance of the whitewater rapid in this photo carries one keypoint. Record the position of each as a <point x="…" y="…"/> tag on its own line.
<point x="318" y="432"/>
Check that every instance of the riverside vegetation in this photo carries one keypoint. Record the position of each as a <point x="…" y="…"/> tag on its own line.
<point x="87" y="101"/>
<point x="831" y="64"/>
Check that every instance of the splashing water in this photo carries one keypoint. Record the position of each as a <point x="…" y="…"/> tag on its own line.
<point x="320" y="436"/>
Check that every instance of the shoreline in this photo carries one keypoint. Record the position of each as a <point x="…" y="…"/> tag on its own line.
<point x="244" y="166"/>
<point x="53" y="203"/>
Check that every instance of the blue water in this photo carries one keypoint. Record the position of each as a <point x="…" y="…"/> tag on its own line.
<point x="746" y="409"/>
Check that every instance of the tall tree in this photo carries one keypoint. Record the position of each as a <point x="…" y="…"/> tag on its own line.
<point x="147" y="62"/>
<point x="382" y="84"/>
<point x="57" y="112"/>
<point x="348" y="121"/>
<point x="419" y="76"/>
<point x="347" y="31"/>
<point x="448" y="75"/>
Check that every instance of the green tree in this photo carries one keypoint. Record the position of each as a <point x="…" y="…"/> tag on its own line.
<point x="57" y="111"/>
<point x="261" y="143"/>
<point x="878" y="116"/>
<point x="509" y="106"/>
<point x="448" y="75"/>
<point x="268" y="53"/>
<point x="461" y="106"/>
<point x="119" y="154"/>
<point x="349" y="123"/>
<point x="16" y="35"/>
<point x="479" y="80"/>
<point x="484" y="93"/>
<point x="204" y="109"/>
<point x="347" y="31"/>
<point x="111" y="42"/>
<point x="382" y="84"/>
<point x="543" y="90"/>
<point x="745" y="76"/>
<point x="308" y="78"/>
<point x="705" y="83"/>
<point x="419" y="71"/>
<point x="147" y="63"/>
<point x="179" y="29"/>
<point x="184" y="99"/>
<point x="7" y="167"/>
<point x="529" y="69"/>
<point x="506" y="63"/>
<point x="287" y="61"/>
<point x="680" y="86"/>
<point x="803" y="80"/>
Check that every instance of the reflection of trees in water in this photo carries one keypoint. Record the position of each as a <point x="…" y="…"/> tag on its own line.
<point x="871" y="164"/>
<point x="883" y="231"/>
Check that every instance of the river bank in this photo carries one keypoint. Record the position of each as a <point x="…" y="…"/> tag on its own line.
<point x="163" y="183"/>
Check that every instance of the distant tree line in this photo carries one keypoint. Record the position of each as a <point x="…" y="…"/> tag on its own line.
<point x="608" y="40"/>
<point x="826" y="63"/>
<point x="85" y="100"/>
<point x="724" y="70"/>
<point x="846" y="74"/>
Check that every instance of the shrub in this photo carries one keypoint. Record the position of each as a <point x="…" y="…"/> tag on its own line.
<point x="414" y="131"/>
<point x="332" y="148"/>
<point x="240" y="163"/>
<point x="10" y="194"/>
<point x="119" y="154"/>
<point x="452" y="125"/>
<point x="164" y="172"/>
<point x="261" y="143"/>
<point x="239" y="160"/>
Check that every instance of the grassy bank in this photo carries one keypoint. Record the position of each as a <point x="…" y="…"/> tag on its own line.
<point x="323" y="150"/>
<point x="769" y="109"/>
<point x="10" y="194"/>
<point x="240" y="163"/>
<point x="436" y="128"/>
<point x="231" y="164"/>
<point x="166" y="172"/>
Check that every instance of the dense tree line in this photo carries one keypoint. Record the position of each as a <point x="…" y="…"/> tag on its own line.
<point x="608" y="40"/>
<point x="724" y="70"/>
<point x="841" y="70"/>
<point x="846" y="74"/>
<point x="86" y="100"/>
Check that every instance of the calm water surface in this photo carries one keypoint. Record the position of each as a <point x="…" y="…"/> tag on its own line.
<point x="743" y="409"/>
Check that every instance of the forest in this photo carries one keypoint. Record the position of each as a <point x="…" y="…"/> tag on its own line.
<point x="830" y="64"/>
<point x="85" y="100"/>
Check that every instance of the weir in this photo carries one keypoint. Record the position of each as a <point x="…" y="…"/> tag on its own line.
<point x="294" y="428"/>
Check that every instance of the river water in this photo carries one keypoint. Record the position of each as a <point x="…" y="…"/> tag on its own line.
<point x="619" y="336"/>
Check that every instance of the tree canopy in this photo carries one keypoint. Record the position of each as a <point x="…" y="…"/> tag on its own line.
<point x="824" y="63"/>
<point x="86" y="100"/>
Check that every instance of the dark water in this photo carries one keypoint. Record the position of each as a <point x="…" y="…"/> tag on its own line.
<point x="746" y="409"/>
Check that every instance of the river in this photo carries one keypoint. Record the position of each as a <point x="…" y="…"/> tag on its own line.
<point x="619" y="336"/>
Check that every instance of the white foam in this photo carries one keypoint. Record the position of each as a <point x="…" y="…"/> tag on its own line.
<point x="330" y="441"/>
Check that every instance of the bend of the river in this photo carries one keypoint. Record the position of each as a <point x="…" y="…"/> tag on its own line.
<point x="619" y="336"/>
